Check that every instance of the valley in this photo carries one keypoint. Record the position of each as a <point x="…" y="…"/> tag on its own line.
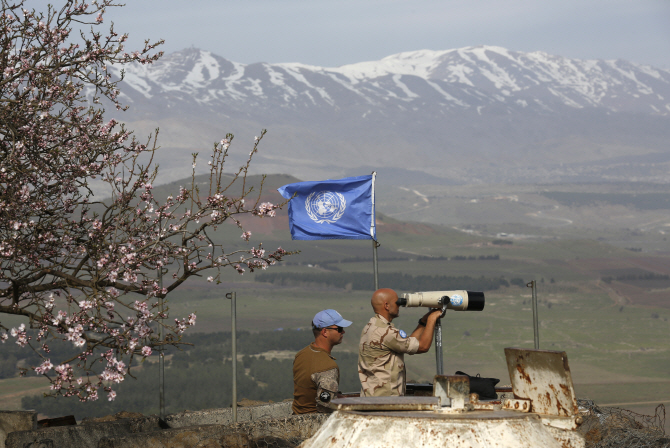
<point x="603" y="283"/>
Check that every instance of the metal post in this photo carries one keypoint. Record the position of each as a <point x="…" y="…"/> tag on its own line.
<point x="375" y="244"/>
<point x="438" y="347"/>
<point x="536" y="328"/>
<point x="161" y="333"/>
<point x="233" y="299"/>
<point x="161" y="352"/>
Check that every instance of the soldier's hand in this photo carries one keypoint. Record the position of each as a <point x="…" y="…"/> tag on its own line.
<point x="434" y="314"/>
<point x="424" y="319"/>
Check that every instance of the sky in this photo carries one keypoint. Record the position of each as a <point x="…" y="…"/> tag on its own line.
<point x="336" y="32"/>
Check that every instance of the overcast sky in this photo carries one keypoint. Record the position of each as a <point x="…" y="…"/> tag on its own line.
<point x="337" y="32"/>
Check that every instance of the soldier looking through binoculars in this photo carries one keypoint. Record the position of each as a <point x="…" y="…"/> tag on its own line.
<point x="381" y="365"/>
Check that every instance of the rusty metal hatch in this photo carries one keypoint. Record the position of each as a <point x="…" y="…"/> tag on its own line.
<point x="543" y="377"/>
<point x="387" y="403"/>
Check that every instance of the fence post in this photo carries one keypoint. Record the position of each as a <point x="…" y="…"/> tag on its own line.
<point x="232" y="296"/>
<point x="536" y="328"/>
<point x="161" y="351"/>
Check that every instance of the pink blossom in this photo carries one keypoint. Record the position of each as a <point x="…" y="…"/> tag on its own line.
<point x="44" y="367"/>
<point x="258" y="253"/>
<point x="85" y="305"/>
<point x="267" y="209"/>
<point x="66" y="248"/>
<point x="20" y="335"/>
<point x="50" y="304"/>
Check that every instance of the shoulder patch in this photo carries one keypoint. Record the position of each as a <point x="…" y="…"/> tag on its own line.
<point x="402" y="334"/>
<point x="324" y="396"/>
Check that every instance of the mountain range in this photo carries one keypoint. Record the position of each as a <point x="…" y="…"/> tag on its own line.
<point x="470" y="115"/>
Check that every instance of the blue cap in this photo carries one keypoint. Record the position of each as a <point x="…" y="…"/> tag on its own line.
<point x="326" y="318"/>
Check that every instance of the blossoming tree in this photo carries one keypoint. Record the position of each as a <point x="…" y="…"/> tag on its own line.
<point x="82" y="270"/>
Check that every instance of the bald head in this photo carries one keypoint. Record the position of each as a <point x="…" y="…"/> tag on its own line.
<point x="384" y="302"/>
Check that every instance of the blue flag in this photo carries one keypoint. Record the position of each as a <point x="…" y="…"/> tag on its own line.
<point x="332" y="209"/>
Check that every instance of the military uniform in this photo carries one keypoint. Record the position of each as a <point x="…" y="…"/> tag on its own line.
<point x="315" y="380"/>
<point x="381" y="365"/>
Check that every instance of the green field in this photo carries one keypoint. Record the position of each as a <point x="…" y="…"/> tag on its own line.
<point x="614" y="334"/>
<point x="615" y="356"/>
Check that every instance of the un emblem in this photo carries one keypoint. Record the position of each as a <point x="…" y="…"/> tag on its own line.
<point x="456" y="300"/>
<point x="325" y="206"/>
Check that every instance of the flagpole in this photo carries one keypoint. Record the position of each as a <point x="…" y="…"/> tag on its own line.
<point x="375" y="244"/>
<point x="374" y="262"/>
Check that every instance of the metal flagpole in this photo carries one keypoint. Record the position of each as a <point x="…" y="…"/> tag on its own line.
<point x="374" y="262"/>
<point x="375" y="244"/>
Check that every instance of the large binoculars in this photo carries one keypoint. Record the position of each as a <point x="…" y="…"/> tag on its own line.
<point x="454" y="300"/>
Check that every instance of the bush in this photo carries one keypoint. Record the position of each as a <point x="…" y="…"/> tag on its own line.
<point x="501" y="242"/>
<point x="398" y="281"/>
<point x="517" y="282"/>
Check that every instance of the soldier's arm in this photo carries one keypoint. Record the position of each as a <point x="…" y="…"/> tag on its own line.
<point x="418" y="331"/>
<point x="396" y="343"/>
<point x="327" y="385"/>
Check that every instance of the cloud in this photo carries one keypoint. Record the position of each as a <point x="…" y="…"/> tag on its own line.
<point x="346" y="31"/>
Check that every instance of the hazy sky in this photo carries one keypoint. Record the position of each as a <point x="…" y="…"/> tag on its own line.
<point x="337" y="32"/>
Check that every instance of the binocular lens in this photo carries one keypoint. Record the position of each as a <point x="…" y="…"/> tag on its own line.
<point x="475" y="301"/>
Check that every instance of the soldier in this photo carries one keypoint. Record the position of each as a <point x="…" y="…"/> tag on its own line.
<point x="381" y="366"/>
<point x="316" y="376"/>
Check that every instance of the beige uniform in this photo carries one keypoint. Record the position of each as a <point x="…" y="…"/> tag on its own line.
<point x="381" y="365"/>
<point x="315" y="380"/>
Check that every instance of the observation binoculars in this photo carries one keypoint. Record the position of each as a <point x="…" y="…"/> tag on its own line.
<point x="459" y="300"/>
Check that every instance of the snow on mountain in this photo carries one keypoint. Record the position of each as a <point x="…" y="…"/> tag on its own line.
<point x="467" y="115"/>
<point x="476" y="78"/>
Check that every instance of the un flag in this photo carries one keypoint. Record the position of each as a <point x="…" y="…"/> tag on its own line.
<point x="332" y="209"/>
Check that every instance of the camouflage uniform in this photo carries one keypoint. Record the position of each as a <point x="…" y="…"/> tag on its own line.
<point x="315" y="380"/>
<point x="381" y="367"/>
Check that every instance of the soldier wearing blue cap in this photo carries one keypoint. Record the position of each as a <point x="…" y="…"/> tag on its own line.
<point x="316" y="376"/>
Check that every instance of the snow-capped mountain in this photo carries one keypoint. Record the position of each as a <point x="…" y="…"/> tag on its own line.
<point x="466" y="78"/>
<point x="485" y="111"/>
